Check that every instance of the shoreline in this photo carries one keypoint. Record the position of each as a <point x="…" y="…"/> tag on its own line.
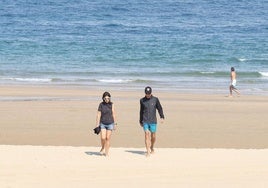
<point x="66" y="116"/>
<point x="136" y="88"/>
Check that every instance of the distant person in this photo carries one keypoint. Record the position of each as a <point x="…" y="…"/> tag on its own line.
<point x="148" y="120"/>
<point x="233" y="82"/>
<point x="106" y="120"/>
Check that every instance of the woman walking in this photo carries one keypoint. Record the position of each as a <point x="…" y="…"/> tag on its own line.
<point x="106" y="120"/>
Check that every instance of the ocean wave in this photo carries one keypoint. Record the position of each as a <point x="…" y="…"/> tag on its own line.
<point x="242" y="59"/>
<point x="207" y="72"/>
<point x="72" y="80"/>
<point x="222" y="74"/>
<point x="264" y="74"/>
<point x="28" y="79"/>
<point x="239" y="59"/>
<point x="115" y="80"/>
<point x="144" y="81"/>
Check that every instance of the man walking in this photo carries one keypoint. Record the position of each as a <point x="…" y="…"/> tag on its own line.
<point x="232" y="86"/>
<point x="148" y="106"/>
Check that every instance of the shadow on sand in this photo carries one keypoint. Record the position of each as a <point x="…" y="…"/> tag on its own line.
<point x="93" y="153"/>
<point x="136" y="152"/>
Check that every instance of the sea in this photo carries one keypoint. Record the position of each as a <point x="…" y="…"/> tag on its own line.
<point x="170" y="45"/>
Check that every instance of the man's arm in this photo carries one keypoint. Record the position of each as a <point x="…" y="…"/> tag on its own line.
<point x="160" y="109"/>
<point x="141" y="112"/>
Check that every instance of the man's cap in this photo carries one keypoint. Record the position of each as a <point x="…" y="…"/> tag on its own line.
<point x="148" y="90"/>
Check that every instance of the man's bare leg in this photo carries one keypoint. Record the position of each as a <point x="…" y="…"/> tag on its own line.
<point x="231" y="91"/>
<point x="153" y="138"/>
<point x="235" y="90"/>
<point x="147" y="143"/>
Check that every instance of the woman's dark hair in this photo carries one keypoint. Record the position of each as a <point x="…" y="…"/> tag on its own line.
<point x="105" y="94"/>
<point x="232" y="69"/>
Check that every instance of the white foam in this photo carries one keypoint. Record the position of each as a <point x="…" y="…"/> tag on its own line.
<point x="207" y="72"/>
<point x="114" y="80"/>
<point x="28" y="79"/>
<point x="264" y="73"/>
<point x="242" y="59"/>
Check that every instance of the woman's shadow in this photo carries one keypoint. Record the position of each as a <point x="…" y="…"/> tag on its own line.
<point x="136" y="152"/>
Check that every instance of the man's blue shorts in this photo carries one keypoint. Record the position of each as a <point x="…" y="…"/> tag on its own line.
<point x="150" y="126"/>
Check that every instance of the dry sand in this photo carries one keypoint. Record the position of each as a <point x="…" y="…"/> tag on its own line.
<point x="46" y="140"/>
<point x="81" y="167"/>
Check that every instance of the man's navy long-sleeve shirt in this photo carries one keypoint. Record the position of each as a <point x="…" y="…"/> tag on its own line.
<point x="148" y="107"/>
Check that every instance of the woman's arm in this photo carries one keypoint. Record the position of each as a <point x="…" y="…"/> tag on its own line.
<point x="98" y="118"/>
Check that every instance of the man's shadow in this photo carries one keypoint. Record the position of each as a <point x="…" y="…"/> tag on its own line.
<point x="136" y="152"/>
<point x="93" y="153"/>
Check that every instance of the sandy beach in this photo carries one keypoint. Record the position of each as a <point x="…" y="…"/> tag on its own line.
<point x="46" y="140"/>
<point x="66" y="166"/>
<point x="66" y="116"/>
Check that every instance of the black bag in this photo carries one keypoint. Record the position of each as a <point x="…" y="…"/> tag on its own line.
<point x="97" y="130"/>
